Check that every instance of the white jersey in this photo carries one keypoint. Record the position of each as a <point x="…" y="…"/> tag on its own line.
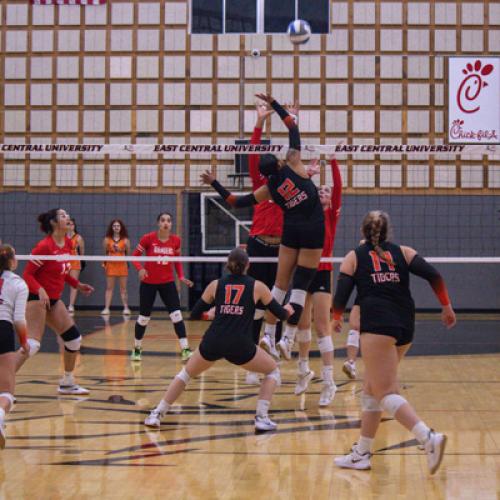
<point x="13" y="297"/>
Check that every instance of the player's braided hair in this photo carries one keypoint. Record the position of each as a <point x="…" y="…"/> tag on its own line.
<point x="375" y="229"/>
<point x="7" y="253"/>
<point x="237" y="261"/>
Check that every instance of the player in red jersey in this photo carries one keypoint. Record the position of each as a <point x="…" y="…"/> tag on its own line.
<point x="159" y="277"/>
<point x="319" y="299"/>
<point x="46" y="279"/>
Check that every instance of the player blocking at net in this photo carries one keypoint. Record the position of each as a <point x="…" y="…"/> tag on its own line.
<point x="229" y="337"/>
<point x="290" y="187"/>
<point x="380" y="270"/>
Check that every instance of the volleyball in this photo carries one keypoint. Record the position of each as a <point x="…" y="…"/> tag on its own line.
<point x="299" y="31"/>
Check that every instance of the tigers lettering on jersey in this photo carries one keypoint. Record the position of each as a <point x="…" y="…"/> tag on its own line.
<point x="291" y="193"/>
<point x="380" y="276"/>
<point x="232" y="297"/>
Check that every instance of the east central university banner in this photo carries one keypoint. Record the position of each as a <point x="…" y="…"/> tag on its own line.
<point x="68" y="2"/>
<point x="474" y="100"/>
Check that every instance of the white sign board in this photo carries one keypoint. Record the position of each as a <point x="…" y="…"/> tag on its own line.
<point x="474" y="100"/>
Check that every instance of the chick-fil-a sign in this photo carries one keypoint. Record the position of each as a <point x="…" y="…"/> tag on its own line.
<point x="474" y="100"/>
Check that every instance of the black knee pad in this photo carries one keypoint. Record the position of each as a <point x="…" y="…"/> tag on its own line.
<point x="303" y="277"/>
<point x="72" y="339"/>
<point x="297" y="313"/>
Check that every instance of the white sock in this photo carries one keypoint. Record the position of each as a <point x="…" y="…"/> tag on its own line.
<point x="327" y="374"/>
<point x="2" y="416"/>
<point x="137" y="343"/>
<point x="163" y="406"/>
<point x="270" y="331"/>
<point x="290" y="331"/>
<point x="68" y="375"/>
<point x="364" y="445"/>
<point x="303" y="365"/>
<point x="183" y="343"/>
<point x="263" y="407"/>
<point x="421" y="432"/>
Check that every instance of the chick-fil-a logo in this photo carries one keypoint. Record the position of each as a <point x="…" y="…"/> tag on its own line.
<point x="472" y="85"/>
<point x="457" y="132"/>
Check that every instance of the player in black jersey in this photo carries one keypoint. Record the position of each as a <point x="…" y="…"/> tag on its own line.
<point x="380" y="270"/>
<point x="290" y="187"/>
<point x="230" y="337"/>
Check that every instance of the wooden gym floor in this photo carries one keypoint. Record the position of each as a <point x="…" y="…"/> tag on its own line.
<point x="97" y="447"/>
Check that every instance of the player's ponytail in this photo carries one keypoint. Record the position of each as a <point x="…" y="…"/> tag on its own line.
<point x="375" y="229"/>
<point x="45" y="220"/>
<point x="237" y="261"/>
<point x="7" y="254"/>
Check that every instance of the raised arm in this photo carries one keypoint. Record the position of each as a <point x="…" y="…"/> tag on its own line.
<point x="246" y="200"/>
<point x="288" y="120"/>
<point x="263" y="112"/>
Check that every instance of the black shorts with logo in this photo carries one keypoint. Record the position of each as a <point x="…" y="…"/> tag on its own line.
<point x="34" y="296"/>
<point x="236" y="348"/>
<point x="262" y="271"/>
<point x="321" y="283"/>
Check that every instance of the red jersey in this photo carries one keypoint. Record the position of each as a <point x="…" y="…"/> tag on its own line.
<point x="159" y="272"/>
<point x="50" y="274"/>
<point x="332" y="217"/>
<point x="267" y="216"/>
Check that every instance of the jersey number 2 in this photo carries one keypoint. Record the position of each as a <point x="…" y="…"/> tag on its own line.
<point x="288" y="190"/>
<point x="377" y="266"/>
<point x="233" y="294"/>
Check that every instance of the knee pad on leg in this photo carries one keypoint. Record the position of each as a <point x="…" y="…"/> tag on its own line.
<point x="353" y="338"/>
<point x="176" y="316"/>
<point x="369" y="403"/>
<point x="275" y="375"/>
<point x="278" y="294"/>
<point x="303" y="336"/>
<point x="9" y="397"/>
<point x="258" y="314"/>
<point x="391" y="403"/>
<point x="184" y="376"/>
<point x="34" y="347"/>
<point x="72" y="339"/>
<point x="325" y="344"/>
<point x="302" y="278"/>
<point x="143" y="320"/>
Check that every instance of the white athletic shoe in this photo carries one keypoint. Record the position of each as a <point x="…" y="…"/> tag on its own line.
<point x="269" y="346"/>
<point x="327" y="394"/>
<point x="153" y="419"/>
<point x="303" y="382"/>
<point x="105" y="311"/>
<point x="285" y="345"/>
<point x="434" y="447"/>
<point x="252" y="378"/>
<point x="126" y="311"/>
<point x="73" y="389"/>
<point x="71" y="310"/>
<point x="264" y="424"/>
<point x="349" y="369"/>
<point x="354" y="460"/>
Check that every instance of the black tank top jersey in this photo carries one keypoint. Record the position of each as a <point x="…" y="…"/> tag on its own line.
<point x="377" y="280"/>
<point x="298" y="197"/>
<point x="234" y="306"/>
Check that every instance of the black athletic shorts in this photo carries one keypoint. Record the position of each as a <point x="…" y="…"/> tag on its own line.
<point x="7" y="337"/>
<point x="382" y="318"/>
<point x="310" y="236"/>
<point x="235" y="347"/>
<point x="34" y="296"/>
<point x="321" y="283"/>
<point x="168" y="294"/>
<point x="262" y="271"/>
